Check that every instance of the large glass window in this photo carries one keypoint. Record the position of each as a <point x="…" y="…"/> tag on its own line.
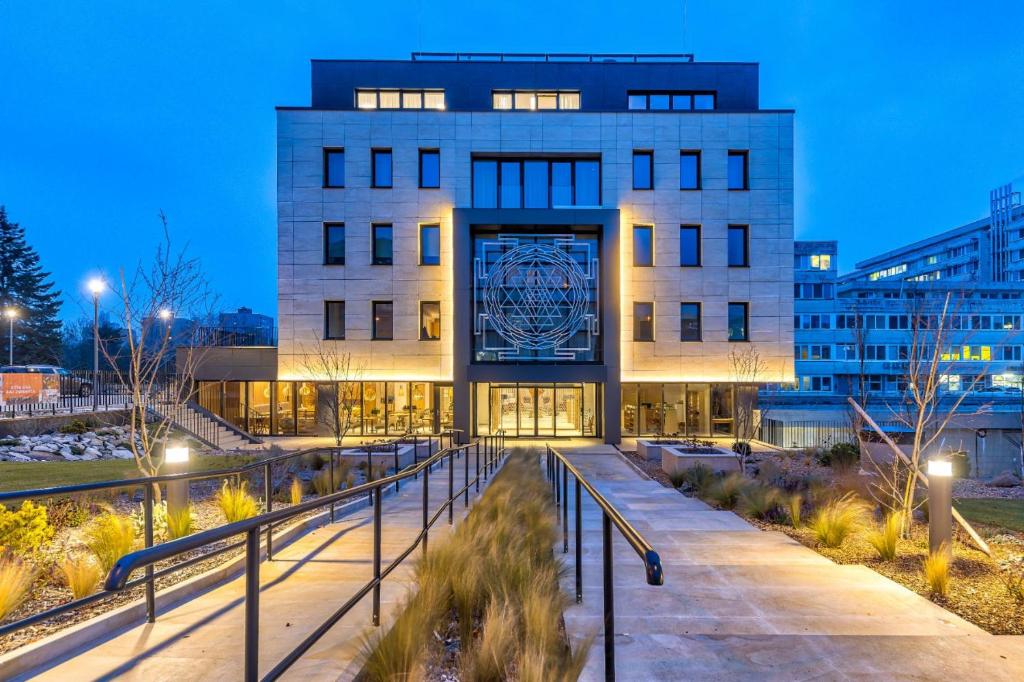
<point x="689" y="245"/>
<point x="334" y="320"/>
<point x="738" y="176"/>
<point x="738" y="256"/>
<point x="399" y="99"/>
<point x="536" y="183"/>
<point x="334" y="243"/>
<point x="676" y="100"/>
<point x="738" y="322"/>
<point x="430" y="244"/>
<point x="382" y="244"/>
<point x="384" y="320"/>
<point x="689" y="322"/>
<point x="430" y="320"/>
<point x="334" y="167"/>
<point x="381" y="162"/>
<point x="643" y="321"/>
<point x="373" y="407"/>
<point x="689" y="170"/>
<point x="643" y="246"/>
<point x="643" y="169"/>
<point x="534" y="100"/>
<point x="430" y="168"/>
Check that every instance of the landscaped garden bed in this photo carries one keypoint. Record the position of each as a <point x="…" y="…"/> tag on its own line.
<point x="821" y="499"/>
<point x="55" y="543"/>
<point x="488" y="604"/>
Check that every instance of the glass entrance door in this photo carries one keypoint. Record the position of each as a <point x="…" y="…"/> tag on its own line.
<point x="537" y="410"/>
<point x="545" y="411"/>
<point x="527" y="410"/>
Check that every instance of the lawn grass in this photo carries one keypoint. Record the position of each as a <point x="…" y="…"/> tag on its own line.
<point x="31" y="475"/>
<point x="1008" y="514"/>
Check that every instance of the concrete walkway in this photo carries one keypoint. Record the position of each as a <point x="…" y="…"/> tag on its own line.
<point x="305" y="583"/>
<point x="739" y="603"/>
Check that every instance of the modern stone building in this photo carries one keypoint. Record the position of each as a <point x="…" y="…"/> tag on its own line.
<point x="554" y="245"/>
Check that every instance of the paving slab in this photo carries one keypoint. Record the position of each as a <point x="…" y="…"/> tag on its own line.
<point x="739" y="603"/>
<point x="307" y="581"/>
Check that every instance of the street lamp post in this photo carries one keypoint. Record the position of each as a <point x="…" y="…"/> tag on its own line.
<point x="96" y="287"/>
<point x="10" y="314"/>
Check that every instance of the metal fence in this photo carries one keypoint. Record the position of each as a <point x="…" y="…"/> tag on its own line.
<point x="806" y="434"/>
<point x="79" y="391"/>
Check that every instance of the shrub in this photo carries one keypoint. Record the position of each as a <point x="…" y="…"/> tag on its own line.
<point x="180" y="523"/>
<point x="758" y="500"/>
<point x="236" y="502"/>
<point x="834" y="522"/>
<point x="82" y="575"/>
<point x="725" y="492"/>
<point x="296" y="491"/>
<point x="699" y="477"/>
<point x="160" y="533"/>
<point x="16" y="578"/>
<point x="742" y="449"/>
<point x="885" y="537"/>
<point x="75" y="426"/>
<point x="322" y="480"/>
<point x="1011" y="572"/>
<point x="67" y="512"/>
<point x="26" y="530"/>
<point x="110" y="536"/>
<point x="841" y="456"/>
<point x="936" y="572"/>
<point x="794" y="505"/>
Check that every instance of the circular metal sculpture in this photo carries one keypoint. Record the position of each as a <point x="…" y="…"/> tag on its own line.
<point x="536" y="296"/>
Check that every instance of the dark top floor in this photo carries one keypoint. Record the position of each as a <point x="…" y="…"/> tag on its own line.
<point x="589" y="83"/>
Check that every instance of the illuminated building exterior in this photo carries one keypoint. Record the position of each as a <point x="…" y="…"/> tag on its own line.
<point x="552" y="245"/>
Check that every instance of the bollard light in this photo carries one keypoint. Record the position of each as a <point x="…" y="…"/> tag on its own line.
<point x="176" y="462"/>
<point x="940" y="506"/>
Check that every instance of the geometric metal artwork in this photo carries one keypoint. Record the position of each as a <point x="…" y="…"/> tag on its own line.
<point x="537" y="296"/>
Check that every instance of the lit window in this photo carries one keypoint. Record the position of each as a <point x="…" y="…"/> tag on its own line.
<point x="502" y="100"/>
<point x="568" y="100"/>
<point x="643" y="321"/>
<point x="412" y="100"/>
<point x="532" y="100"/>
<point x="430" y="320"/>
<point x="383" y="320"/>
<point x="389" y="99"/>
<point x="547" y="100"/>
<point x="821" y="262"/>
<point x="526" y="100"/>
<point x="366" y="99"/>
<point x="433" y="99"/>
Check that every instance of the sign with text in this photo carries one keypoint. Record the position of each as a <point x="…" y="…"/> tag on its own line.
<point x="22" y="389"/>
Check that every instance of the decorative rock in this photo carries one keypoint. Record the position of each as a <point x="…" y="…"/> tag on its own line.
<point x="121" y="453"/>
<point x="1007" y="479"/>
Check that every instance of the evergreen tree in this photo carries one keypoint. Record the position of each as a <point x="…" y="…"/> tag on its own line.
<point x="25" y="287"/>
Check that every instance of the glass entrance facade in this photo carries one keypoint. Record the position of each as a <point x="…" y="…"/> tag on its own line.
<point x="537" y="410"/>
<point x="683" y="409"/>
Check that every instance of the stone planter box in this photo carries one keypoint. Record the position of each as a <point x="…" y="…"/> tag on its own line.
<point x="651" y="449"/>
<point x="387" y="457"/>
<point x="677" y="460"/>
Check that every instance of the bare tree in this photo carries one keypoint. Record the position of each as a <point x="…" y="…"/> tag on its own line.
<point x="337" y="380"/>
<point x="859" y="388"/>
<point x="148" y="299"/>
<point x="748" y="370"/>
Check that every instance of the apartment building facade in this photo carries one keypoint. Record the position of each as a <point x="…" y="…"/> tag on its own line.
<point x="553" y="245"/>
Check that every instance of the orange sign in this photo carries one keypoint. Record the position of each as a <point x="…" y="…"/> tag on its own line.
<point x="19" y="389"/>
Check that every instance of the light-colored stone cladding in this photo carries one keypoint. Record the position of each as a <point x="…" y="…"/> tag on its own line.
<point x="767" y="208"/>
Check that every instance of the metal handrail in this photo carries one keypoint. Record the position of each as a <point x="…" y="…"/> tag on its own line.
<point x="558" y="470"/>
<point x="118" y="579"/>
<point x="147" y="483"/>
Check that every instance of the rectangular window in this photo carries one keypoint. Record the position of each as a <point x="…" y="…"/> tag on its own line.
<point x="399" y="99"/>
<point x="689" y="322"/>
<point x="511" y="194"/>
<point x="738" y="246"/>
<point x="533" y="100"/>
<point x="703" y="102"/>
<point x="637" y="102"/>
<point x="643" y="169"/>
<point x="366" y="99"/>
<point x="526" y="101"/>
<point x="643" y="246"/>
<point x="643" y="321"/>
<point x="485" y="184"/>
<point x="501" y="100"/>
<point x="382" y="244"/>
<point x="689" y="170"/>
<point x="334" y="243"/>
<point x="430" y="168"/>
<point x="433" y="99"/>
<point x="535" y="184"/>
<point x="334" y="167"/>
<point x="412" y="99"/>
<point x="388" y="99"/>
<point x="689" y="246"/>
<point x="658" y="102"/>
<point x="430" y="244"/>
<point x="381" y="161"/>
<point x="738" y="172"/>
<point x="676" y="100"/>
<point x="383" y="320"/>
<point x="430" y="320"/>
<point x="738" y="322"/>
<point x="588" y="183"/>
<point x="568" y="100"/>
<point x="334" y="320"/>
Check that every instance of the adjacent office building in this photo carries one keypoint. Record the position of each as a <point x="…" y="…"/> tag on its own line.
<point x="553" y="245"/>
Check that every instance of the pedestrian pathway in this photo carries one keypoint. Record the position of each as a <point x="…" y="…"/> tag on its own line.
<point x="307" y="581"/>
<point x="739" y="603"/>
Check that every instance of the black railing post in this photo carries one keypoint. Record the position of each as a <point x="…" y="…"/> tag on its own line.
<point x="150" y="586"/>
<point x="369" y="473"/>
<point x="478" y="465"/>
<point x="565" y="512"/>
<point x="579" y="543"/>
<point x="451" y="487"/>
<point x="487" y="449"/>
<point x="252" y="604"/>
<point x="396" y="466"/>
<point x="609" y="598"/>
<point x="465" y="463"/>
<point x="332" y="487"/>
<point x="416" y="455"/>
<point x="267" y="491"/>
<point x="426" y="496"/>
<point x="376" y="558"/>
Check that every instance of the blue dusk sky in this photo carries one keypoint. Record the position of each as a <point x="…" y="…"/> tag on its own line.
<point x="908" y="112"/>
